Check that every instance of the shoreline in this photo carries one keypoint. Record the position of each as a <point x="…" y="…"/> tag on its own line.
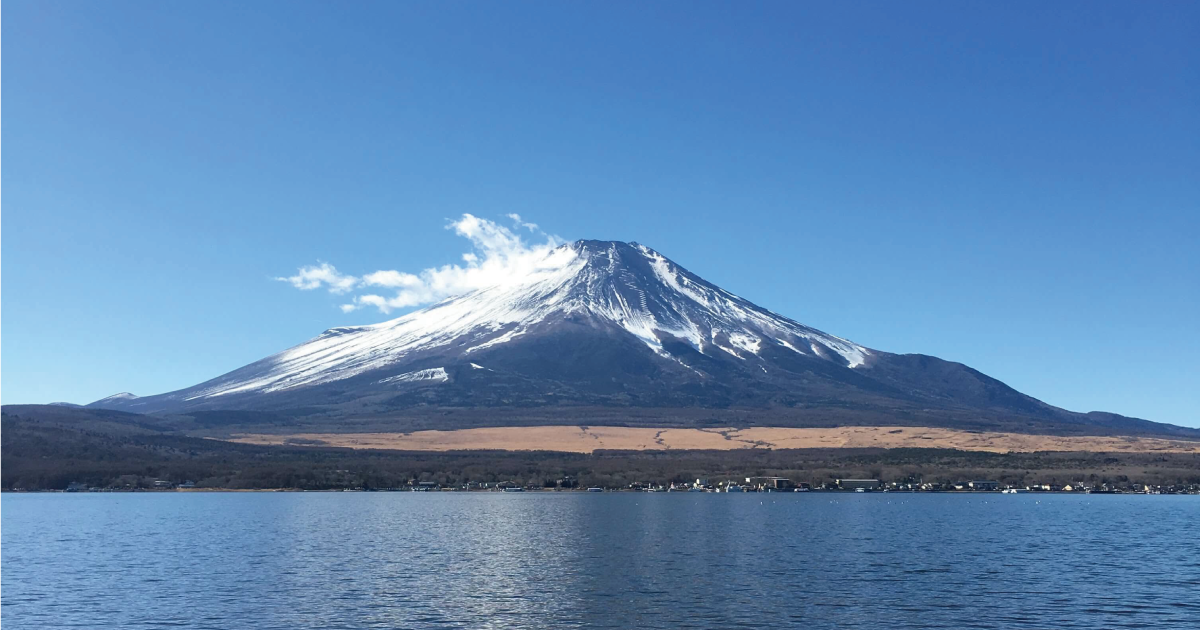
<point x="587" y="491"/>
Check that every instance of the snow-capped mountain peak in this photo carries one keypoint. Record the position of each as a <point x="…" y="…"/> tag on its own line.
<point x="595" y="324"/>
<point x="624" y="284"/>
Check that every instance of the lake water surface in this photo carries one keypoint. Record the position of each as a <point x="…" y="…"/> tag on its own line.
<point x="617" y="560"/>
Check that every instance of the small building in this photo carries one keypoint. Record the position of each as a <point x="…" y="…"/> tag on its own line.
<point x="162" y="483"/>
<point x="984" y="485"/>
<point x="770" y="483"/>
<point x="855" y="484"/>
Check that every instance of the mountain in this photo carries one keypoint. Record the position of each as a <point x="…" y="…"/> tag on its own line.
<point x="612" y="330"/>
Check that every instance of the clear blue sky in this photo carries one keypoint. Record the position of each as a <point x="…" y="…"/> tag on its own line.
<point x="1011" y="185"/>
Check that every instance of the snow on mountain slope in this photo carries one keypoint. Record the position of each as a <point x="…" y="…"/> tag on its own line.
<point x="629" y="286"/>
<point x="432" y="375"/>
<point x="600" y="324"/>
<point x="123" y="396"/>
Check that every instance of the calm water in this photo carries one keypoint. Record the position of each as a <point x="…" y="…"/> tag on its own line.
<point x="406" y="560"/>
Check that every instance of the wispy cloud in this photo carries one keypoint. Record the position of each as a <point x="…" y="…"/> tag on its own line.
<point x="498" y="255"/>
<point x="321" y="275"/>
<point x="516" y="219"/>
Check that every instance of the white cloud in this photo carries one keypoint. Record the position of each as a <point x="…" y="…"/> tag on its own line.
<point x="324" y="274"/>
<point x="516" y="219"/>
<point x="391" y="279"/>
<point x="499" y="255"/>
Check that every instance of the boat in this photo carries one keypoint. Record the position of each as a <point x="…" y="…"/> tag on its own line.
<point x="513" y="489"/>
<point x="595" y="489"/>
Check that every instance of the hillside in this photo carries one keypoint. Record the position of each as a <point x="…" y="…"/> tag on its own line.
<point x="600" y="331"/>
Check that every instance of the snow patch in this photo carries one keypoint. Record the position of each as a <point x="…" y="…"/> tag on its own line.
<point x="437" y="375"/>
<point x="505" y="338"/>
<point x="117" y="397"/>
<point x="746" y="342"/>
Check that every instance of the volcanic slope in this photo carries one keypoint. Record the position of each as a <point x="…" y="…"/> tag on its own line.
<point x="599" y="331"/>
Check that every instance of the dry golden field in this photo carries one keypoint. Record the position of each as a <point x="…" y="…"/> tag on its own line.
<point x="576" y="439"/>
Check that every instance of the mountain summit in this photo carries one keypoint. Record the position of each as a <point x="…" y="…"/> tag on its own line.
<point x="612" y="325"/>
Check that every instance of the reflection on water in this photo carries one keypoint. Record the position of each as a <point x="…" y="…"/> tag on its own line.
<point x="430" y="560"/>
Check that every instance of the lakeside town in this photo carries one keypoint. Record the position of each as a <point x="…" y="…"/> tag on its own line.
<point x="699" y="485"/>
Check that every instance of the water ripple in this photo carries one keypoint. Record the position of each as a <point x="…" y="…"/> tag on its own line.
<point x="428" y="560"/>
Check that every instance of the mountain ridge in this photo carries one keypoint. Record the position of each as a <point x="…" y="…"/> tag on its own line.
<point x="604" y="324"/>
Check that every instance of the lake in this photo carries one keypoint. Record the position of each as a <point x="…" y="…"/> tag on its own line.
<point x="612" y="560"/>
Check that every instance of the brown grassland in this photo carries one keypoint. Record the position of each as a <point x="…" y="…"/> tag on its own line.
<point x="588" y="439"/>
<point x="51" y="447"/>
